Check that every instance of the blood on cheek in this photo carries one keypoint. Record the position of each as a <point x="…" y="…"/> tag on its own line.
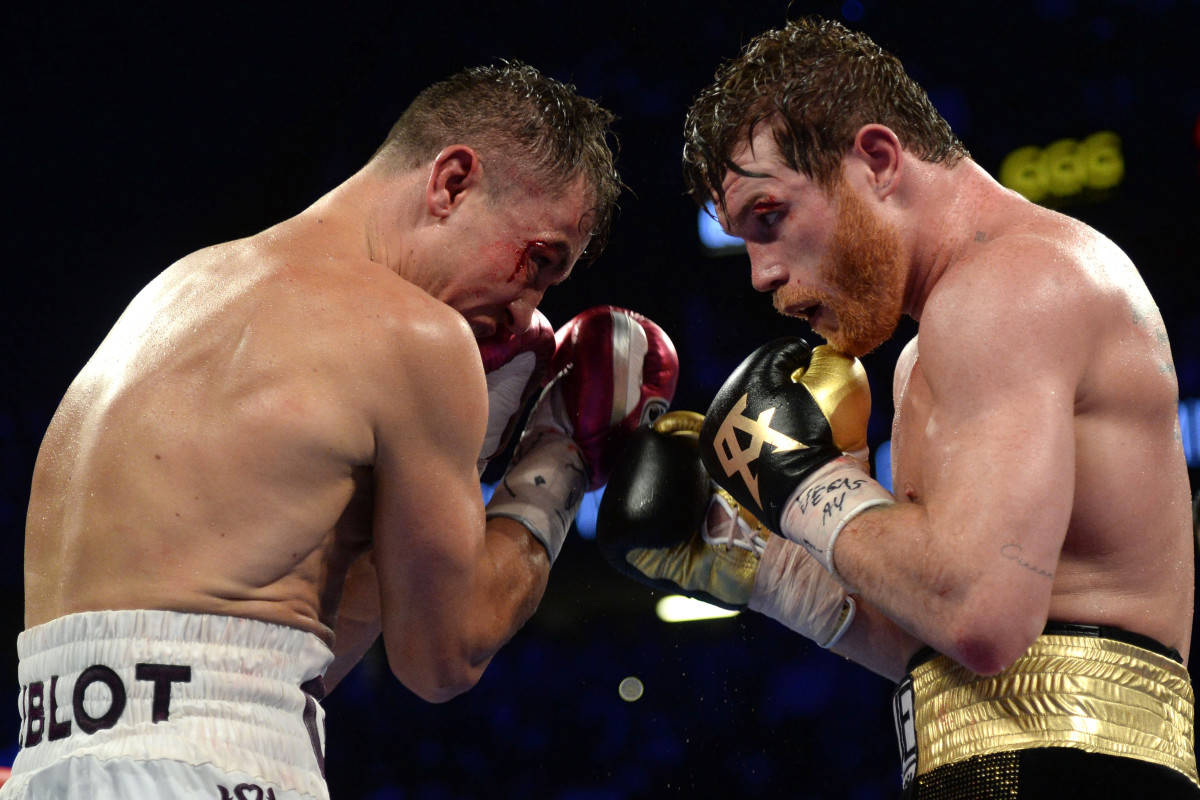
<point x="499" y="255"/>
<point x="524" y="256"/>
<point x="510" y="262"/>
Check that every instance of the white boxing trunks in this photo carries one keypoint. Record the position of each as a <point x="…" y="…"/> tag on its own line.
<point x="158" y="704"/>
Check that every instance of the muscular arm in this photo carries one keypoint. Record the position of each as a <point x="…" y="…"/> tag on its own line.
<point x="358" y="622"/>
<point x="453" y="589"/>
<point x="876" y="642"/>
<point x="968" y="567"/>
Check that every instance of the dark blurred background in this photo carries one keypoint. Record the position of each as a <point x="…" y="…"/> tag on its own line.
<point x="136" y="133"/>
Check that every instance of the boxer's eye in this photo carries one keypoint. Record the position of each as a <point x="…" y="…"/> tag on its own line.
<point x="541" y="267"/>
<point x="768" y="214"/>
<point x="536" y="260"/>
<point x="545" y="267"/>
<point x="546" y="263"/>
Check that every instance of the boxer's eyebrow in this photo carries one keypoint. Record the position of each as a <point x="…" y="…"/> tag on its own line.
<point x="729" y="221"/>
<point x="744" y="208"/>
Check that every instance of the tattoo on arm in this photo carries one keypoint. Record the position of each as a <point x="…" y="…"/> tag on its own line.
<point x="1012" y="552"/>
<point x="1146" y="316"/>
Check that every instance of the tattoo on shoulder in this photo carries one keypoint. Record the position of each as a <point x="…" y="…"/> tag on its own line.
<point x="1012" y="552"/>
<point x="981" y="236"/>
<point x="1145" y="315"/>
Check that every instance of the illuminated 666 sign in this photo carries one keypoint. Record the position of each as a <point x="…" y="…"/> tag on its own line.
<point x="1065" y="168"/>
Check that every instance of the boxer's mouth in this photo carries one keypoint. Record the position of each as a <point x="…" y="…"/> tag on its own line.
<point x="805" y="311"/>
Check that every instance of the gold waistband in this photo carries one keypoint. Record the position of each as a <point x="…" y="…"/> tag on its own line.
<point x="1091" y="694"/>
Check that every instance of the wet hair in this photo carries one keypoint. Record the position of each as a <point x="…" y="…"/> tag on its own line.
<point x="816" y="83"/>
<point x="532" y="126"/>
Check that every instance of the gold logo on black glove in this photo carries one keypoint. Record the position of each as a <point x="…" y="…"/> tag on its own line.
<point x="734" y="458"/>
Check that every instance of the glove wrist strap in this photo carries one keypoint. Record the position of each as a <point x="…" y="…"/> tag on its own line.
<point x="792" y="588"/>
<point x="547" y="478"/>
<point x="821" y="506"/>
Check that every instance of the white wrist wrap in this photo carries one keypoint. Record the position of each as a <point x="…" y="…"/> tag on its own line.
<point x="793" y="588"/>
<point x="547" y="478"/>
<point x="822" y="505"/>
<point x="506" y="386"/>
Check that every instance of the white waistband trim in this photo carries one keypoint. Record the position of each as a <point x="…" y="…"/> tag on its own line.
<point x="195" y="688"/>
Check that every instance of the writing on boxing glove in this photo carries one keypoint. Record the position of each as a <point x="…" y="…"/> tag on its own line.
<point x="664" y="523"/>
<point x="777" y="431"/>
<point x="612" y="368"/>
<point x="515" y="365"/>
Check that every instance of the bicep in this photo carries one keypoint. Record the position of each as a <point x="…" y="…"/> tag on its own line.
<point x="429" y="517"/>
<point x="998" y="464"/>
<point x="1001" y="475"/>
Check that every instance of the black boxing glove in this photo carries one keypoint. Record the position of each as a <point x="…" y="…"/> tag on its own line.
<point x="650" y="523"/>
<point x="664" y="523"/>
<point x="786" y="437"/>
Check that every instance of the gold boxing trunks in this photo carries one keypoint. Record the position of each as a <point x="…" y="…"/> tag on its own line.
<point x="1076" y="687"/>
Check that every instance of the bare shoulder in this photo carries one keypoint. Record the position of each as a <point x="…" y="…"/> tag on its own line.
<point x="399" y="324"/>
<point x="1041" y="279"/>
<point x="363" y="342"/>
<point x="394" y="344"/>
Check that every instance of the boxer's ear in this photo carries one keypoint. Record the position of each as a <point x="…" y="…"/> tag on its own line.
<point x="879" y="152"/>
<point x="456" y="170"/>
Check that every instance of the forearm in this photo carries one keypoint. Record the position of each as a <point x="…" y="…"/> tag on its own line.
<point x="793" y="588"/>
<point x="885" y="555"/>
<point x="354" y="639"/>
<point x="502" y="592"/>
<point x="358" y="619"/>
<point x="509" y="586"/>
<point x="520" y="572"/>
<point x="456" y="615"/>
<point x="931" y="588"/>
<point x="876" y="642"/>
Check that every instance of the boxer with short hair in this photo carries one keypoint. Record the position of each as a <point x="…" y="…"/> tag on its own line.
<point x="1030" y="584"/>
<point x="274" y="457"/>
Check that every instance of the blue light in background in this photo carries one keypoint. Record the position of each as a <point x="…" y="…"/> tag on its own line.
<point x="883" y="464"/>
<point x="852" y="11"/>
<point x="715" y="240"/>
<point x="1189" y="430"/>
<point x="585" y="520"/>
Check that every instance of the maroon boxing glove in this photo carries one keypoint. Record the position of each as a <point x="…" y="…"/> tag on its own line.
<point x="613" y="370"/>
<point x="515" y="365"/>
<point x="617" y="370"/>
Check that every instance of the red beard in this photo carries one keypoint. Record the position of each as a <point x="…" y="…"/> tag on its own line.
<point x="866" y="279"/>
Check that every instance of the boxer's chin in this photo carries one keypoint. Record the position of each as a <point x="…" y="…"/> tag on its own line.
<point x="866" y="274"/>
<point x="860" y="329"/>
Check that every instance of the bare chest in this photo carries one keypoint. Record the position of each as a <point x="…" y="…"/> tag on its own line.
<point x="913" y="402"/>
